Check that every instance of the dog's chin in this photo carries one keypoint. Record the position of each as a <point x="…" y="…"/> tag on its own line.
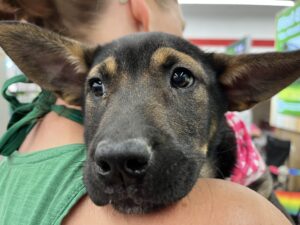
<point x="129" y="206"/>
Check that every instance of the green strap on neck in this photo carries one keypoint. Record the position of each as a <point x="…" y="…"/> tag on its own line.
<point x="26" y="115"/>
<point x="72" y="114"/>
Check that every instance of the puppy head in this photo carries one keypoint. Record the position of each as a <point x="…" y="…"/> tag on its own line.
<point x="153" y="105"/>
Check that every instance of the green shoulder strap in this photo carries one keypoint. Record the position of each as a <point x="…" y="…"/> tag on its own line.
<point x="26" y="115"/>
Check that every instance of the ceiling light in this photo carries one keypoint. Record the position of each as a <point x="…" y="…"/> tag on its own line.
<point x="238" y="2"/>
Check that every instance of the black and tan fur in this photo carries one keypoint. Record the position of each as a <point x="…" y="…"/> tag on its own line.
<point x="183" y="129"/>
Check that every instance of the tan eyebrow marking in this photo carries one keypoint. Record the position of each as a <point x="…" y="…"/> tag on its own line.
<point x="161" y="55"/>
<point x="94" y="70"/>
<point x="109" y="65"/>
<point x="204" y="148"/>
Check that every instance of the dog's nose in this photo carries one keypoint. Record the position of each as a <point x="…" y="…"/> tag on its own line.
<point x="129" y="158"/>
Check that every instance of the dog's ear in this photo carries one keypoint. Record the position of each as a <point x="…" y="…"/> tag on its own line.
<point x="251" y="78"/>
<point x="56" y="63"/>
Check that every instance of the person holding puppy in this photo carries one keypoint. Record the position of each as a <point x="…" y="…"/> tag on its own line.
<point x="42" y="182"/>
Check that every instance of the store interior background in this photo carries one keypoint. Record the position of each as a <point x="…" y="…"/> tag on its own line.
<point x="213" y="28"/>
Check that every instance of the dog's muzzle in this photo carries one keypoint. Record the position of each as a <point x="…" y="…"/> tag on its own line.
<point x="137" y="178"/>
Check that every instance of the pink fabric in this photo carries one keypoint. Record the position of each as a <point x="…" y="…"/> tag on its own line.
<point x="249" y="166"/>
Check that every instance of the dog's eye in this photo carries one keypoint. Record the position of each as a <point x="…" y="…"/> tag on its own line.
<point x="97" y="87"/>
<point x="182" y="78"/>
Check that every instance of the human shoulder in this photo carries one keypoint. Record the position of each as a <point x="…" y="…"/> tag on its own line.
<point x="241" y="205"/>
<point x="210" y="202"/>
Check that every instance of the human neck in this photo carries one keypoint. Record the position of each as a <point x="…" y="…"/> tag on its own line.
<point x="115" y="15"/>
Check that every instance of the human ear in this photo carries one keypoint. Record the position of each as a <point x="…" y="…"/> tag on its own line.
<point x="141" y="13"/>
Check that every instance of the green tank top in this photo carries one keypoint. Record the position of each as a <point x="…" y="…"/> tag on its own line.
<point x="38" y="188"/>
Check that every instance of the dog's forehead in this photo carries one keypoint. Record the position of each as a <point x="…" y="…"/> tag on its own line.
<point x="134" y="52"/>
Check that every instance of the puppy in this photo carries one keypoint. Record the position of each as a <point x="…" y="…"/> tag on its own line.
<point x="154" y="108"/>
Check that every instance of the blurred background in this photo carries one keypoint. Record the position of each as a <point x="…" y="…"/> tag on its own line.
<point x="242" y="26"/>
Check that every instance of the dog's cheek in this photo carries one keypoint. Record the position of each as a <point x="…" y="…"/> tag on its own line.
<point x="191" y="118"/>
<point x="171" y="180"/>
<point x="207" y="170"/>
<point x="93" y="185"/>
<point x="90" y="130"/>
<point x="93" y="114"/>
<point x="185" y="181"/>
